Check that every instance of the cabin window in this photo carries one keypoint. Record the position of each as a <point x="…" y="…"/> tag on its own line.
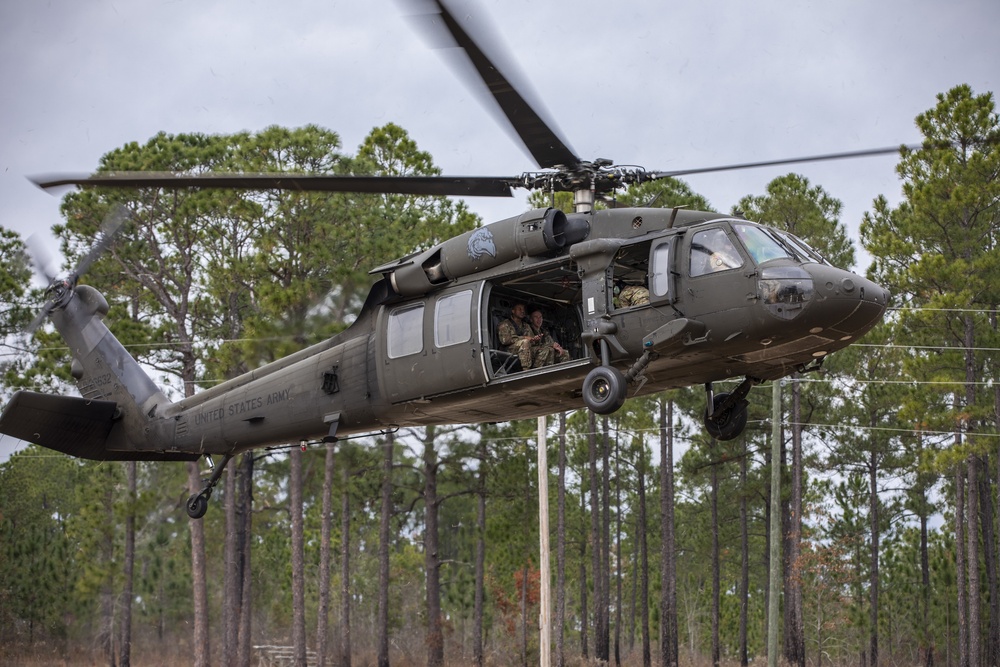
<point x="711" y="251"/>
<point x="453" y="319"/>
<point x="405" y="331"/>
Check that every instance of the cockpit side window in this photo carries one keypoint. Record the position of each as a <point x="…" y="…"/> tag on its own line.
<point x="631" y="268"/>
<point x="712" y="250"/>
<point x="762" y="246"/>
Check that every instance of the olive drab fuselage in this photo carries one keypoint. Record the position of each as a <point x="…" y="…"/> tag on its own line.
<point x="727" y="298"/>
<point x="424" y="349"/>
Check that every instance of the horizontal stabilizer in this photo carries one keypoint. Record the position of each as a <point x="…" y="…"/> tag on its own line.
<point x="74" y="426"/>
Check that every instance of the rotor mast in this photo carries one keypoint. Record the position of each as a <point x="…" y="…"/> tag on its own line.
<point x="583" y="199"/>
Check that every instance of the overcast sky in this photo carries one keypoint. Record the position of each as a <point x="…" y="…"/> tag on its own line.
<point x="665" y="85"/>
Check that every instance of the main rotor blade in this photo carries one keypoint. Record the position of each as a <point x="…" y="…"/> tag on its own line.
<point x="871" y="152"/>
<point x="542" y="141"/>
<point x="472" y="186"/>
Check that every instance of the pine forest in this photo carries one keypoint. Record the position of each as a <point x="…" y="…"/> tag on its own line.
<point x="421" y="546"/>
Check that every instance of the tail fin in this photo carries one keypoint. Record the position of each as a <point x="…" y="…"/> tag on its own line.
<point x="74" y="426"/>
<point x="117" y="417"/>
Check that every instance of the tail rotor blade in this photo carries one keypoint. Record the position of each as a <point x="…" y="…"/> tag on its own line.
<point x="112" y="224"/>
<point x="60" y="290"/>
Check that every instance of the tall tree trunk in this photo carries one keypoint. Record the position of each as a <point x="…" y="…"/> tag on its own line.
<point x="432" y="560"/>
<point x="745" y="562"/>
<point x="668" y="565"/>
<point x="787" y="604"/>
<point x="524" y="607"/>
<point x="345" y="565"/>
<point x="561" y="546"/>
<point x="766" y="558"/>
<point x="326" y="525"/>
<point x="618" y="554"/>
<point x="793" y="595"/>
<point x="595" y="530"/>
<point x="633" y="623"/>
<point x="605" y="653"/>
<point x="199" y="584"/>
<point x="991" y="654"/>
<point x="972" y="560"/>
<point x="994" y="657"/>
<point x="298" y="557"/>
<point x="716" y="584"/>
<point x="106" y="638"/>
<point x="873" y="583"/>
<point x="231" y="580"/>
<point x="478" y="655"/>
<point x="526" y="570"/>
<point x="643" y="560"/>
<point x="245" y="529"/>
<point x="925" y="586"/>
<point x="584" y="609"/>
<point x="972" y="513"/>
<point x="383" y="553"/>
<point x="128" y="568"/>
<point x="960" y="566"/>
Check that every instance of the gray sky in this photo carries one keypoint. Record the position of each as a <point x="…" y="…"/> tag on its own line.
<point x="666" y="85"/>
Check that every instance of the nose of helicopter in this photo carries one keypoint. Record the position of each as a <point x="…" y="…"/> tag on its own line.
<point x="851" y="304"/>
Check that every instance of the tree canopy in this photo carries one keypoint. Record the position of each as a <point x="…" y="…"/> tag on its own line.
<point x="895" y="442"/>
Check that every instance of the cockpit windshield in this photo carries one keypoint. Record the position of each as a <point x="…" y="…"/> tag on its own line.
<point x="760" y="244"/>
<point x="802" y="248"/>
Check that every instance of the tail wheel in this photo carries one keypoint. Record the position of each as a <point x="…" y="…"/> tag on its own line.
<point x="726" y="424"/>
<point x="604" y="390"/>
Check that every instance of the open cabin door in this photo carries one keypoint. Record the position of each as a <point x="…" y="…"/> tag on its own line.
<point x="432" y="345"/>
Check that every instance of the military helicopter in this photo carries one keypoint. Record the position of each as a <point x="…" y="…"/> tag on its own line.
<point x="723" y="297"/>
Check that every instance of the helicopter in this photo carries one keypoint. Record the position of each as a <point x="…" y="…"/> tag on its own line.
<point x="722" y="297"/>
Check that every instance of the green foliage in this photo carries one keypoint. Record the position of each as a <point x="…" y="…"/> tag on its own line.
<point x="938" y="252"/>
<point x="208" y="284"/>
<point x="38" y="571"/>
<point x="18" y="305"/>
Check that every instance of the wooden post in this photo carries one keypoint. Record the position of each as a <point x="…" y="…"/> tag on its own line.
<point x="544" y="602"/>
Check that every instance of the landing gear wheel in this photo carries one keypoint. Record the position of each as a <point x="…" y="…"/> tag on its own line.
<point x="604" y="390"/>
<point x="727" y="424"/>
<point x="197" y="505"/>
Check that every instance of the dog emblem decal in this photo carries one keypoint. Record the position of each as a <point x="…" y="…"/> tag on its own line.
<point x="481" y="243"/>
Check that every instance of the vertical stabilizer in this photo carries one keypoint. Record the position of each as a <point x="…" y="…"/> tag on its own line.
<point x="105" y="371"/>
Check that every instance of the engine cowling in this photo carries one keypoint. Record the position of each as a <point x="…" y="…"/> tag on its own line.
<point x="537" y="232"/>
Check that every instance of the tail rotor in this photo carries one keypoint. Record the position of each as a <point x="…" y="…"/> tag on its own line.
<point x="60" y="290"/>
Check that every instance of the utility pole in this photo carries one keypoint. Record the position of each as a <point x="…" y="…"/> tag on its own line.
<point x="774" y="586"/>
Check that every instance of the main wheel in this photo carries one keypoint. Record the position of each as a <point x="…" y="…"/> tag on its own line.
<point x="730" y="423"/>
<point x="604" y="390"/>
<point x="197" y="505"/>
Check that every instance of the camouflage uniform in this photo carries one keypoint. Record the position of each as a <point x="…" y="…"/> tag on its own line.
<point x="633" y="295"/>
<point x="548" y="344"/>
<point x="516" y="339"/>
